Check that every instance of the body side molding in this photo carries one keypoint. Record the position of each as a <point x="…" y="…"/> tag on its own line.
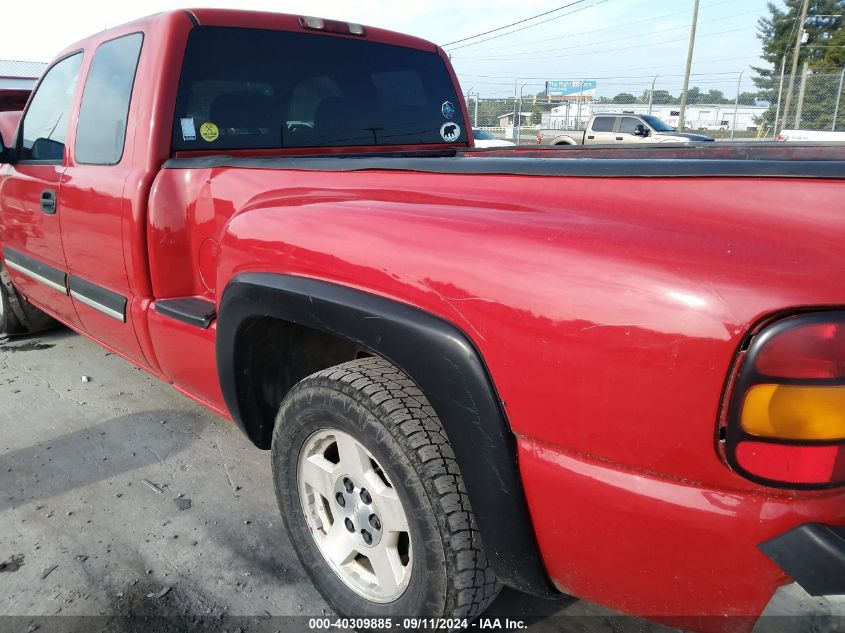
<point x="98" y="298"/>
<point x="36" y="270"/>
<point x="452" y="374"/>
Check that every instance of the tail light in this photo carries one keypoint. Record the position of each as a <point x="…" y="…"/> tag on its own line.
<point x="781" y="137"/>
<point x="786" y="418"/>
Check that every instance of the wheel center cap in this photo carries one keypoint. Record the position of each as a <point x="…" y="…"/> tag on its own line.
<point x="355" y="506"/>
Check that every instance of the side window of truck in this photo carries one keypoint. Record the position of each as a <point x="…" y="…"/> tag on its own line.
<point x="101" y="131"/>
<point x="603" y="124"/>
<point x="45" y="124"/>
<point x="628" y="125"/>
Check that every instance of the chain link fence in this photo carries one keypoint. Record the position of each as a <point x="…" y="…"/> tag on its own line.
<point x="814" y="103"/>
<point x="753" y="112"/>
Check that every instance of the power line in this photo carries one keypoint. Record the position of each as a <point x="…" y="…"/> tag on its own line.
<point x="521" y="77"/>
<point x="619" y="39"/>
<point x="649" y="20"/>
<point x="531" y="26"/>
<point x="507" y="26"/>
<point x="698" y="62"/>
<point x="608" y="81"/>
<point x="609" y="50"/>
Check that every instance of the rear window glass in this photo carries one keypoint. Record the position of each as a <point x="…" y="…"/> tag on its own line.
<point x="257" y="89"/>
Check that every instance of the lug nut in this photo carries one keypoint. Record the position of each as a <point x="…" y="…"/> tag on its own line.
<point x="348" y="524"/>
<point x="347" y="483"/>
<point x="368" y="538"/>
<point x="374" y="521"/>
<point x="341" y="501"/>
<point x="365" y="496"/>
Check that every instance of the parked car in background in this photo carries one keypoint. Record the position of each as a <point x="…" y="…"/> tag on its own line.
<point x="609" y="129"/>
<point x="813" y="136"/>
<point x="483" y="138"/>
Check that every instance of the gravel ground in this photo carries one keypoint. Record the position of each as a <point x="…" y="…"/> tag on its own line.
<point x="119" y="497"/>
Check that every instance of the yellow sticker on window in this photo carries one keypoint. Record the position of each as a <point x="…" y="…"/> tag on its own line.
<point x="209" y="131"/>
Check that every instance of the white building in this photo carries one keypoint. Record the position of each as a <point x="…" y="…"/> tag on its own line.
<point x="507" y="119"/>
<point x="699" y="116"/>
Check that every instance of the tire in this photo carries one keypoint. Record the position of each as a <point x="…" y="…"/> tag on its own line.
<point x="18" y="316"/>
<point x="402" y="462"/>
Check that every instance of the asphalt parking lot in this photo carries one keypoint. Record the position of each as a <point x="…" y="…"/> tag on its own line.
<point x="120" y="498"/>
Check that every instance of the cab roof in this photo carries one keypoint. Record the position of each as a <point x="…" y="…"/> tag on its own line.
<point x="244" y="19"/>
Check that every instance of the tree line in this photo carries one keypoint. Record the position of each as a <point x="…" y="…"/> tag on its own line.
<point x="695" y="95"/>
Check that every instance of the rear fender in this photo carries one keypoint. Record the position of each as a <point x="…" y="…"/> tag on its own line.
<point x="439" y="357"/>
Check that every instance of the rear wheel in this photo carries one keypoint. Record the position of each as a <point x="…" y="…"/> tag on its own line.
<point x="373" y="498"/>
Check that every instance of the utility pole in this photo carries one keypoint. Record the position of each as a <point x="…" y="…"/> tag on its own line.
<point x="651" y="94"/>
<point x="838" y="99"/>
<point x="736" y="103"/>
<point x="795" y="56"/>
<point x="801" y="92"/>
<point x="519" y="116"/>
<point x="682" y="114"/>
<point x="780" y="94"/>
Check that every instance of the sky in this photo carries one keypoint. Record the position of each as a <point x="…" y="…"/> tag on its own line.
<point x="622" y="44"/>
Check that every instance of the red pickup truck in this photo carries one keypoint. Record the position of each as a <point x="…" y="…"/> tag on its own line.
<point x="614" y="373"/>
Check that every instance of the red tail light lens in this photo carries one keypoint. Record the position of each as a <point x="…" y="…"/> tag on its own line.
<point x="786" y="420"/>
<point x="809" y="351"/>
<point x="793" y="464"/>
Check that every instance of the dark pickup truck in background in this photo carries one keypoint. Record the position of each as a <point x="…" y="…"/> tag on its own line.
<point x="607" y="372"/>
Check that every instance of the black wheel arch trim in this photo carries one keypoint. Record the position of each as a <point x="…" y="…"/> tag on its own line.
<point x="451" y="373"/>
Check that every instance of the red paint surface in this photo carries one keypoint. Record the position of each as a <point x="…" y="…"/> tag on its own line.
<point x="657" y="547"/>
<point x="607" y="310"/>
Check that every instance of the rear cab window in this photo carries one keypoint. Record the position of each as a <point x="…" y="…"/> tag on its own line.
<point x="603" y="124"/>
<point x="258" y="89"/>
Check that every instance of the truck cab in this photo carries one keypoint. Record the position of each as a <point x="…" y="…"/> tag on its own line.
<point x="619" y="128"/>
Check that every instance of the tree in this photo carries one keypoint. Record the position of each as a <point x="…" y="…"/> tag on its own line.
<point x="824" y="51"/>
<point x="715" y="96"/>
<point x="624" y="97"/>
<point x="663" y="97"/>
<point x="747" y="98"/>
<point x="694" y="96"/>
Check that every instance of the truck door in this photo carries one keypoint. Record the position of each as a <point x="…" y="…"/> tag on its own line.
<point x="625" y="131"/>
<point x="30" y="194"/>
<point x="95" y="205"/>
<point x="601" y="131"/>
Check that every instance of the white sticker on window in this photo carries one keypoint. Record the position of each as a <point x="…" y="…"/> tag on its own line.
<point x="189" y="132"/>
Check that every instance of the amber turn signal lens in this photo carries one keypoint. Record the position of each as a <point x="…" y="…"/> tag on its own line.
<point x="790" y="412"/>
